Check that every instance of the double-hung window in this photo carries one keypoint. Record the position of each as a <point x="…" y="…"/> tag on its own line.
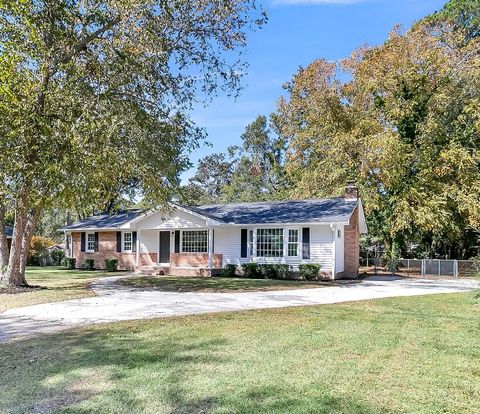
<point x="269" y="242"/>
<point x="292" y="242"/>
<point x="90" y="242"/>
<point x="194" y="241"/>
<point x="127" y="242"/>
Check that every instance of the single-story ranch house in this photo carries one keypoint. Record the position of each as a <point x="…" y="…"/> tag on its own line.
<point x="201" y="240"/>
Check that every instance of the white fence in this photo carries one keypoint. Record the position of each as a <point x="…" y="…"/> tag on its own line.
<point x="426" y="267"/>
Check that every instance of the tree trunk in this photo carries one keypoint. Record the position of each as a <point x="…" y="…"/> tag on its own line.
<point x="14" y="276"/>
<point x="27" y="239"/>
<point x="3" y="243"/>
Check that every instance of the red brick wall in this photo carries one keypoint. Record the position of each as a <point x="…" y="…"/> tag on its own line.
<point x="107" y="249"/>
<point x="195" y="260"/>
<point x="352" y="246"/>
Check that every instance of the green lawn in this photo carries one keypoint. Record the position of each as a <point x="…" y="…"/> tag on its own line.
<point x="213" y="284"/>
<point x="402" y="355"/>
<point x="57" y="284"/>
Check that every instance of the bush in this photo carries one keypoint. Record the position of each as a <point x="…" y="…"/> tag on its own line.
<point x="111" y="265"/>
<point x="309" y="271"/>
<point x="89" y="264"/>
<point x="265" y="271"/>
<point x="38" y="254"/>
<point x="251" y="270"/>
<point x="229" y="270"/>
<point x="57" y="256"/>
<point x="69" y="262"/>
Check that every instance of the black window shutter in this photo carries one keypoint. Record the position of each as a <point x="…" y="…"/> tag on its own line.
<point x="82" y="241"/>
<point x="244" y="235"/>
<point x="134" y="241"/>
<point x="119" y="241"/>
<point x="177" y="241"/>
<point x="96" y="241"/>
<point x="306" y="242"/>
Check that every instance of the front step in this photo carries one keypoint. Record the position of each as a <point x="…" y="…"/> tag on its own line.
<point x="151" y="270"/>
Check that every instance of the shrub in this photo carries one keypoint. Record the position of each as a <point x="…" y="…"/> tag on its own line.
<point x="57" y="256"/>
<point x="251" y="270"/>
<point x="229" y="270"/>
<point x="89" y="264"/>
<point x="69" y="262"/>
<point x="283" y="271"/>
<point x="38" y="254"/>
<point x="111" y="265"/>
<point x="309" y="271"/>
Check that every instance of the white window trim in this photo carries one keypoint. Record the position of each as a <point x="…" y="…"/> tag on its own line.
<point x="273" y="258"/>
<point x="123" y="241"/>
<point x="87" y="250"/>
<point x="181" y="241"/>
<point x="287" y="237"/>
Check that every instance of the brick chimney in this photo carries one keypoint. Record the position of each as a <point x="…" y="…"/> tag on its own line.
<point x="351" y="191"/>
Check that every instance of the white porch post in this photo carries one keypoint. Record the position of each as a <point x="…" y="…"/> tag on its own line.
<point x="137" y="249"/>
<point x="210" y="248"/>
<point x="334" y="252"/>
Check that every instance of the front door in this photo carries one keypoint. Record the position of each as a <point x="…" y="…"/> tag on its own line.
<point x="164" y="249"/>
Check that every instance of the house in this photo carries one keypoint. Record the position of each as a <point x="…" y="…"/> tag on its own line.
<point x="9" y="232"/>
<point x="201" y="240"/>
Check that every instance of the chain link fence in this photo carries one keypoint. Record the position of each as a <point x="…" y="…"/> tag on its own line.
<point x="422" y="267"/>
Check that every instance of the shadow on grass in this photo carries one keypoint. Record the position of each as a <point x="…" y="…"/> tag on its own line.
<point x="102" y="371"/>
<point x="213" y="284"/>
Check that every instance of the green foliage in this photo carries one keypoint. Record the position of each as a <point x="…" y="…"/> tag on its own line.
<point x="57" y="256"/>
<point x="70" y="263"/>
<point x="229" y="270"/>
<point x="402" y="120"/>
<point x="89" y="264"/>
<point x="251" y="270"/>
<point x="309" y="271"/>
<point x="266" y="271"/>
<point x="111" y="265"/>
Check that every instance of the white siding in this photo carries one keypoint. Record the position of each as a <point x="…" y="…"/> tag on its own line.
<point x="148" y="241"/>
<point x="228" y="243"/>
<point x="176" y="220"/>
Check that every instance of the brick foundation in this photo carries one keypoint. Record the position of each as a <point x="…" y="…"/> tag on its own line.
<point x="194" y="260"/>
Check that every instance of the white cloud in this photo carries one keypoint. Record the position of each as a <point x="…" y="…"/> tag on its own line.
<point x="295" y="2"/>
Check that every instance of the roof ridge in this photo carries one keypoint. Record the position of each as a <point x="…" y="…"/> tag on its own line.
<point x="266" y="202"/>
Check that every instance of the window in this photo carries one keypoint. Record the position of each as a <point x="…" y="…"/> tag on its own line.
<point x="250" y="243"/>
<point x="90" y="242"/>
<point x="339" y="233"/>
<point x="292" y="242"/>
<point x="127" y="242"/>
<point x="269" y="242"/>
<point x="194" y="241"/>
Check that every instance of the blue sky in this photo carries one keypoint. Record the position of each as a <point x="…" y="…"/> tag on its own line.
<point x="298" y="32"/>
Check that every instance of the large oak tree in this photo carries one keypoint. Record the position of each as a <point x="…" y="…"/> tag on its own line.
<point x="93" y="94"/>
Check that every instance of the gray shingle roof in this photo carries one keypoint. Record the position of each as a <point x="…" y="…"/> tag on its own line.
<point x="106" y="221"/>
<point x="9" y="231"/>
<point x="329" y="210"/>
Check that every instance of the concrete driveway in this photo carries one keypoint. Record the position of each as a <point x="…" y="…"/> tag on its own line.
<point x="116" y="303"/>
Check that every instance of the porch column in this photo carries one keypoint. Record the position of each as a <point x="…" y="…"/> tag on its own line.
<point x="210" y="248"/>
<point x="334" y="251"/>
<point x="137" y="252"/>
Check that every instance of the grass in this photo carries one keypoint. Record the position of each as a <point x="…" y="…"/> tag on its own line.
<point x="56" y="284"/>
<point x="397" y="355"/>
<point x="213" y="284"/>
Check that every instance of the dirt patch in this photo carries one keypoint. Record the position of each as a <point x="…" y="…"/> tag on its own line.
<point x="12" y="290"/>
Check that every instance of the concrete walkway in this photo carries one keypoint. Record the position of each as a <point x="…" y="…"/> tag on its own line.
<point x="116" y="303"/>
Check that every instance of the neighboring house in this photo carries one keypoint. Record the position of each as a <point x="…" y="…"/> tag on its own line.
<point x="9" y="232"/>
<point x="201" y="240"/>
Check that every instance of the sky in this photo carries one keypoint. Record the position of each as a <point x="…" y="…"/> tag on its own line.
<point x="298" y="32"/>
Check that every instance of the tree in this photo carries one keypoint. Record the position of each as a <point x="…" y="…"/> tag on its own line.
<point x="258" y="165"/>
<point x="214" y="172"/>
<point x="402" y="119"/>
<point x="463" y="15"/>
<point x="95" y="94"/>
